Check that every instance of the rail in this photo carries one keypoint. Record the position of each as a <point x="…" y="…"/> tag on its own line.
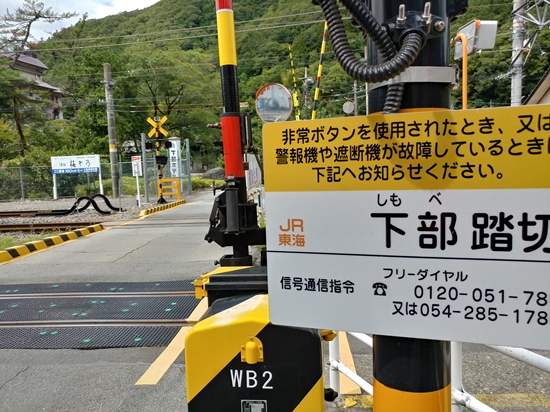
<point x="45" y="227"/>
<point x="459" y="396"/>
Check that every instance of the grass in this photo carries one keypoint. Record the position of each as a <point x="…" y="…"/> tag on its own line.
<point x="129" y="186"/>
<point x="198" y="182"/>
<point x="8" y="241"/>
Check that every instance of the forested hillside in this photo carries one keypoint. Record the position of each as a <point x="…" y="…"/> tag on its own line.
<point x="164" y="61"/>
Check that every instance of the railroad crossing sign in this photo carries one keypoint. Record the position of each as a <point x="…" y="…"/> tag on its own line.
<point x="157" y="123"/>
<point x="429" y="225"/>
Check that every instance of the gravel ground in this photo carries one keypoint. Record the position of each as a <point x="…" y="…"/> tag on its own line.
<point x="128" y="203"/>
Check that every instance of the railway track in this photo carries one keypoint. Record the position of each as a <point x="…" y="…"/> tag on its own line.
<point x="45" y="227"/>
<point x="23" y="213"/>
<point x="103" y="308"/>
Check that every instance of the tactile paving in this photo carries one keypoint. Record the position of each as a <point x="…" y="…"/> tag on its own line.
<point x="97" y="287"/>
<point x="97" y="308"/>
<point x="89" y="337"/>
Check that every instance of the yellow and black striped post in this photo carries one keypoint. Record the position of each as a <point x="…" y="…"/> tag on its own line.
<point x="319" y="73"/>
<point x="236" y="360"/>
<point x="414" y="375"/>
<point x="159" y="171"/>
<point x="411" y="375"/>
<point x="295" y="96"/>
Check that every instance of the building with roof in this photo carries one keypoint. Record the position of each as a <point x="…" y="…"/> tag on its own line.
<point x="32" y="69"/>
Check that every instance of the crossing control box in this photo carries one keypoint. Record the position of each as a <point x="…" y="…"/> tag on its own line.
<point x="237" y="361"/>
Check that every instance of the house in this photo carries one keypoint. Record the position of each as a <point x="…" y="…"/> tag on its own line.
<point x="31" y="68"/>
<point x="541" y="92"/>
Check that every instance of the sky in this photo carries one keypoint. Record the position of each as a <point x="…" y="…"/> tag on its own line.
<point x="96" y="9"/>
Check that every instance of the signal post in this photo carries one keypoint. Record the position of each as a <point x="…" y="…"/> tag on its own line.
<point x="412" y="73"/>
<point x="415" y="374"/>
<point x="157" y="129"/>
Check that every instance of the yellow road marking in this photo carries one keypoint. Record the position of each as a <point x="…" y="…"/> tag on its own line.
<point x="198" y="312"/>
<point x="347" y="386"/>
<point x="515" y="400"/>
<point x="159" y="367"/>
<point x="496" y="401"/>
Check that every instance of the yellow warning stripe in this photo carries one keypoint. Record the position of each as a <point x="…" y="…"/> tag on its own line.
<point x="226" y="38"/>
<point x="391" y="400"/>
<point x="314" y="400"/>
<point x="38" y="245"/>
<point x="156" y="209"/>
<point x="246" y="319"/>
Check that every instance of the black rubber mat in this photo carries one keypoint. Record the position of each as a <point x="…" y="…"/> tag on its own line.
<point x="89" y="337"/>
<point x="97" y="308"/>
<point x="98" y="287"/>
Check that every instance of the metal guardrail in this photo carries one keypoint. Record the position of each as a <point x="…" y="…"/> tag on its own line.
<point x="460" y="397"/>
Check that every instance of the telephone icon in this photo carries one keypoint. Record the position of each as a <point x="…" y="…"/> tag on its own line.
<point x="379" y="289"/>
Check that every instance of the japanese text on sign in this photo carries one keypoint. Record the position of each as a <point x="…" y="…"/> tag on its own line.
<point x="484" y="148"/>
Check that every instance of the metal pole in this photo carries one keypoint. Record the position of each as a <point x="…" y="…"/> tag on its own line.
<point x="363" y="384"/>
<point x="188" y="167"/>
<point x="525" y="356"/>
<point x="319" y="73"/>
<point x="295" y="92"/>
<point x="109" y="84"/>
<point x="22" y="182"/>
<point x="144" y="160"/>
<point x="334" y="355"/>
<point x="355" y="98"/>
<point x="55" y="186"/>
<point x="409" y="371"/>
<point x="100" y="181"/>
<point x="456" y="371"/>
<point x="517" y="60"/>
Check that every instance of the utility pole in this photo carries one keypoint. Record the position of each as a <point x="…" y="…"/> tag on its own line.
<point x="518" y="30"/>
<point x="109" y="85"/>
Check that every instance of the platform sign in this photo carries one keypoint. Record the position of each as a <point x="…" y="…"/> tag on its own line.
<point x="430" y="224"/>
<point x="75" y="164"/>
<point x="136" y="166"/>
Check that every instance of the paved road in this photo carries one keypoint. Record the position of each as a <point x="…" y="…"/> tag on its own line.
<point x="163" y="246"/>
<point x="170" y="246"/>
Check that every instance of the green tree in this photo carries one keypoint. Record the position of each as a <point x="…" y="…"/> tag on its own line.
<point x="15" y="27"/>
<point x="15" y="36"/>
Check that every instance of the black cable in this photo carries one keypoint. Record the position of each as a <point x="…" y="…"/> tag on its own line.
<point x="397" y="61"/>
<point x="361" y="18"/>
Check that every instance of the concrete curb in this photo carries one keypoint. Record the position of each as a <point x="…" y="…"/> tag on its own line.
<point x="28" y="248"/>
<point x="156" y="209"/>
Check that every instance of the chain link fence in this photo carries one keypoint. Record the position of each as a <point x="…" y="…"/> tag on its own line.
<point x="36" y="182"/>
